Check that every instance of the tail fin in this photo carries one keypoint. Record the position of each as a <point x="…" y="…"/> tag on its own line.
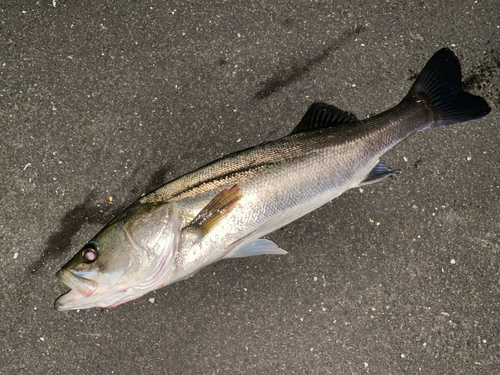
<point x="439" y="85"/>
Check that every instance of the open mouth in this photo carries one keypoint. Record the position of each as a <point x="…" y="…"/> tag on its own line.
<point x="81" y="288"/>
<point x="85" y="286"/>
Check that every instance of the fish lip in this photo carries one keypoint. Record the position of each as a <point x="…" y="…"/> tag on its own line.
<point x="67" y="300"/>
<point x="84" y="286"/>
<point x="81" y="289"/>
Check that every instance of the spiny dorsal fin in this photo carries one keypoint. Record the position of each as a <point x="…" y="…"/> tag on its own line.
<point x="378" y="173"/>
<point x="321" y="115"/>
<point x="221" y="205"/>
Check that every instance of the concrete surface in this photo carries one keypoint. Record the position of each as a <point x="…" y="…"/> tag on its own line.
<point x="112" y="99"/>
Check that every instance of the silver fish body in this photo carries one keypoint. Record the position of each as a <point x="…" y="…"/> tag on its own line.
<point x="223" y="209"/>
<point x="282" y="181"/>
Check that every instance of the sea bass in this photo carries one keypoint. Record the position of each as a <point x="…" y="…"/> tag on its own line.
<point x="222" y="209"/>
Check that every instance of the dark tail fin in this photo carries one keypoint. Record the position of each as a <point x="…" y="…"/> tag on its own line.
<point x="439" y="85"/>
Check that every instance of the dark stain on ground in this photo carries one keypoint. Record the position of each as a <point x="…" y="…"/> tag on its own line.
<point x="413" y="75"/>
<point x="71" y="222"/>
<point x="59" y="242"/>
<point x="285" y="78"/>
<point x="484" y="78"/>
<point x="157" y="179"/>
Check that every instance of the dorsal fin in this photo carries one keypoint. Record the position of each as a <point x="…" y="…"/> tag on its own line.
<point x="321" y="115"/>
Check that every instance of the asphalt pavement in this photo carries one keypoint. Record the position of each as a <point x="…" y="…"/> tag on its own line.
<point x="103" y="101"/>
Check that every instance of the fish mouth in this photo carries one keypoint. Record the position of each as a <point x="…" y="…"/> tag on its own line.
<point x="81" y="288"/>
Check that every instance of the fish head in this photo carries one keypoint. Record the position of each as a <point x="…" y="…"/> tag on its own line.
<point x="131" y="256"/>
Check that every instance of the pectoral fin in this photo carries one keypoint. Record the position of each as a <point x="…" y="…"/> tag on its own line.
<point x="257" y="247"/>
<point x="220" y="206"/>
<point x="378" y="173"/>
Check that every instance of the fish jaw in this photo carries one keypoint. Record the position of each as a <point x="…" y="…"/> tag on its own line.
<point x="85" y="283"/>
<point x="68" y="301"/>
<point x="73" y="300"/>
<point x="85" y="293"/>
<point x="81" y="288"/>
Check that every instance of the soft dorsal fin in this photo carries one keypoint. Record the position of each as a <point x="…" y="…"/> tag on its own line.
<point x="321" y="115"/>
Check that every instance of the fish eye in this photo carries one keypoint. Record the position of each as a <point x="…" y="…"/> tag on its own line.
<point x="89" y="254"/>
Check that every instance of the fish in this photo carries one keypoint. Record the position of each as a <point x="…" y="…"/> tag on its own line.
<point x="225" y="208"/>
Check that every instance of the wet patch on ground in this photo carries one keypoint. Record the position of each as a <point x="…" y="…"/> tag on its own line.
<point x="296" y="72"/>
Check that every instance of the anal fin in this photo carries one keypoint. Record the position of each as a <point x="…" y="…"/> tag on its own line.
<point x="378" y="173"/>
